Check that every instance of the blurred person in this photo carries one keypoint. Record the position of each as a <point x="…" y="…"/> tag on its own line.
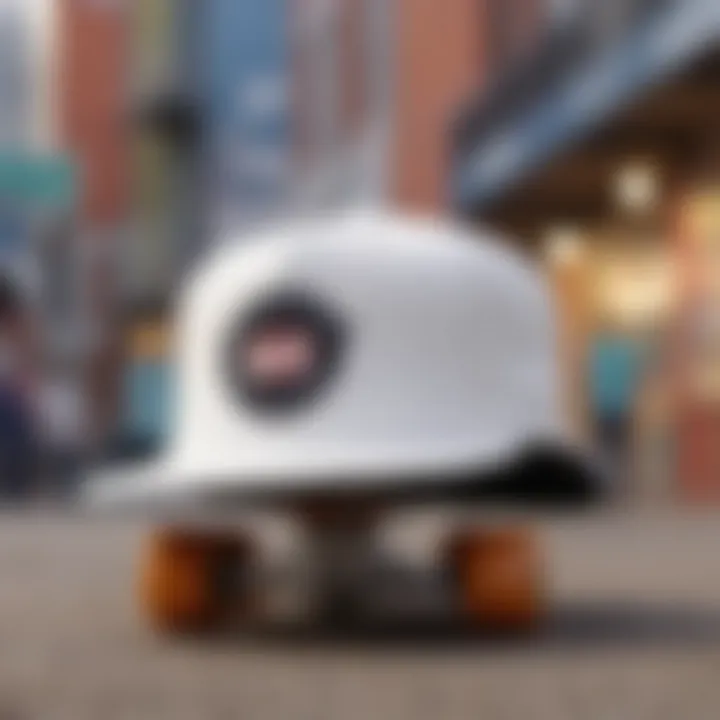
<point x="616" y="366"/>
<point x="64" y="430"/>
<point x="18" y="437"/>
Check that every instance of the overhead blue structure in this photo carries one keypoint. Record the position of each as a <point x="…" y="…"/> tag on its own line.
<point x="502" y="154"/>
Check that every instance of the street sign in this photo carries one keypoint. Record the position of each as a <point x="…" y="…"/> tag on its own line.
<point x="37" y="181"/>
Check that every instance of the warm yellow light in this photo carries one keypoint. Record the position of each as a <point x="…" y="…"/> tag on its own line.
<point x="637" y="186"/>
<point x="563" y="245"/>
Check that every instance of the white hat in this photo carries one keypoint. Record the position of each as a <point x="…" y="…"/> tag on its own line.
<point x="435" y="353"/>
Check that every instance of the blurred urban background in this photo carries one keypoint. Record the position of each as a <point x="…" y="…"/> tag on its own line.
<point x="135" y="133"/>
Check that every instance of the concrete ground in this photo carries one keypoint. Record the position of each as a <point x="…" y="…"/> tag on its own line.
<point x="635" y="633"/>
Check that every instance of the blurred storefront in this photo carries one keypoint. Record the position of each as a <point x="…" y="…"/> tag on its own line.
<point x="595" y="141"/>
<point x="161" y="108"/>
<point x="39" y="187"/>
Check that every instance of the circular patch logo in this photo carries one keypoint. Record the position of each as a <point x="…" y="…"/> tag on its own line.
<point x="285" y="353"/>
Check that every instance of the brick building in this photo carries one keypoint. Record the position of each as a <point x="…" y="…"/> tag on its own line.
<point x="93" y="77"/>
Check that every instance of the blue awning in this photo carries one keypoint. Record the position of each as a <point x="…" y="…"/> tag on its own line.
<point x="587" y="101"/>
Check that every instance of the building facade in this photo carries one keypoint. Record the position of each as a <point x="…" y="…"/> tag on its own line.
<point x="594" y="141"/>
<point x="90" y="89"/>
<point x="375" y="85"/>
<point x="244" y="66"/>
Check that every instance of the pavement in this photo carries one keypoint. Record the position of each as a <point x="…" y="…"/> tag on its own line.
<point x="634" y="633"/>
